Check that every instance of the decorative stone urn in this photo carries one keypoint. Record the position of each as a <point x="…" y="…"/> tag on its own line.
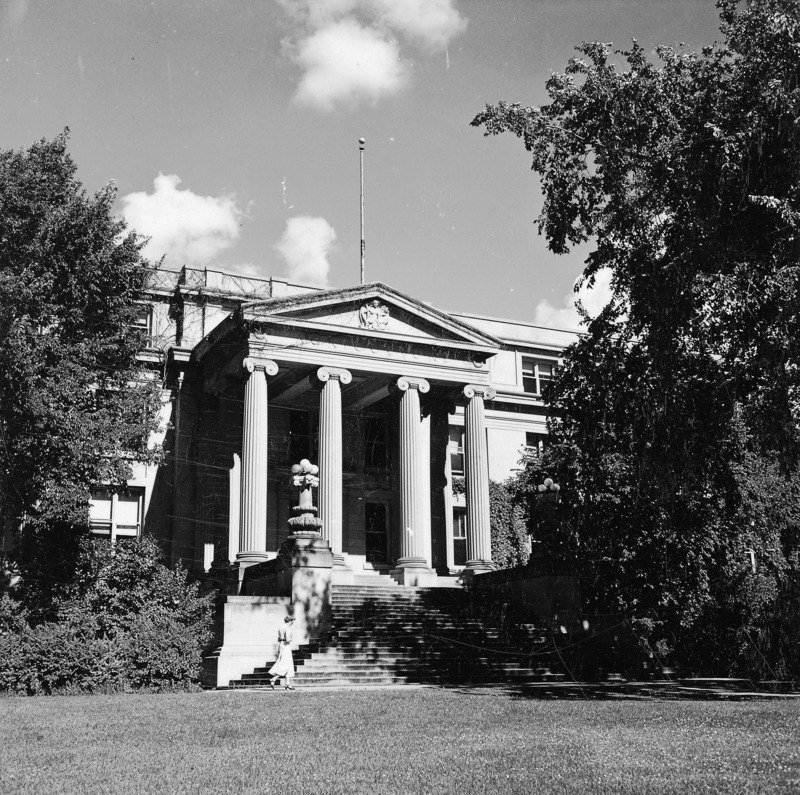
<point x="305" y="523"/>
<point x="306" y="547"/>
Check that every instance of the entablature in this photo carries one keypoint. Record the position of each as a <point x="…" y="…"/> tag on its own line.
<point x="373" y="332"/>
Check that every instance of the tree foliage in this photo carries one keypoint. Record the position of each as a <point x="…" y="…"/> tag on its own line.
<point x="75" y="407"/>
<point x="677" y="416"/>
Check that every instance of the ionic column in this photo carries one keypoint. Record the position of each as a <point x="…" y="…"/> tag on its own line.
<point x="425" y="484"/>
<point x="235" y="496"/>
<point x="330" y="456"/>
<point x="253" y="504"/>
<point x="476" y="472"/>
<point x="415" y="523"/>
<point x="439" y="410"/>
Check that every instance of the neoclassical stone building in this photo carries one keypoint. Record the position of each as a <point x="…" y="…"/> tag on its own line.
<point x="354" y="369"/>
<point x="407" y="410"/>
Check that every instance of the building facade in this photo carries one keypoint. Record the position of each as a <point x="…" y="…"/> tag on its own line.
<point x="407" y="410"/>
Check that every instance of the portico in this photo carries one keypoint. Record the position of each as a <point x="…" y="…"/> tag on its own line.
<point x="360" y="381"/>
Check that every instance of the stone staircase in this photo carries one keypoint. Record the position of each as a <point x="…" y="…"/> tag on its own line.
<point x="386" y="634"/>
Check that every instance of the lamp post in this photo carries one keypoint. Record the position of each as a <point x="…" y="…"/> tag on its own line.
<point x="546" y="512"/>
<point x="361" y="143"/>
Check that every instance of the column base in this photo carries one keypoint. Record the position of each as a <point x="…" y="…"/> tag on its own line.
<point x="251" y="557"/>
<point x="480" y="566"/>
<point x="414" y="572"/>
<point x="412" y="563"/>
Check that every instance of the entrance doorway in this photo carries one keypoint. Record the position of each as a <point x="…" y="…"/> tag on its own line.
<point x="376" y="533"/>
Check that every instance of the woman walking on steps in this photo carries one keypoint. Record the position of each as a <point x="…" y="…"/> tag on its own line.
<point x="284" y="665"/>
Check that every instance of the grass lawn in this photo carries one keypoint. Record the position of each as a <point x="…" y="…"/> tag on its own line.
<point x="394" y="741"/>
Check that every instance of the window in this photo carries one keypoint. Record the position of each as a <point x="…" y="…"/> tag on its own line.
<point x="376" y="453"/>
<point x="455" y="448"/>
<point x="537" y="374"/>
<point x="459" y="537"/>
<point x="144" y="321"/>
<point x="176" y="314"/>
<point x="535" y="442"/>
<point x="116" y="514"/>
<point x="303" y="430"/>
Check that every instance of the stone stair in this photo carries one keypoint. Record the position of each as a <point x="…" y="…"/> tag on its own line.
<point x="386" y="634"/>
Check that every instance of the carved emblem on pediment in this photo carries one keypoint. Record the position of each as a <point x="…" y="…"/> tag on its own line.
<point x="374" y="315"/>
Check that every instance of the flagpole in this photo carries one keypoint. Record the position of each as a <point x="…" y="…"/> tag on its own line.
<point x="361" y="143"/>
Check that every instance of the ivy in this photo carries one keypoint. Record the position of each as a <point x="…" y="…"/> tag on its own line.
<point x="508" y="528"/>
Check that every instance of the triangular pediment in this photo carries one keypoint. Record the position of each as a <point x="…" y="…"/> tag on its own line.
<point x="371" y="310"/>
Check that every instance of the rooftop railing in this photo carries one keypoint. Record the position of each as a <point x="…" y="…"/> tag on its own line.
<point x="162" y="279"/>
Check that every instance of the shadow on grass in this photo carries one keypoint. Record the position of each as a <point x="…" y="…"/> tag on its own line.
<point x="627" y="691"/>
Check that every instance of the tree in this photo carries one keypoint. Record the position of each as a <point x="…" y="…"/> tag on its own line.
<point x="75" y="406"/>
<point x="685" y="391"/>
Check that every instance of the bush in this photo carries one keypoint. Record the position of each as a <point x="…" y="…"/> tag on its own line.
<point x="61" y="658"/>
<point x="125" y="622"/>
<point x="13" y="615"/>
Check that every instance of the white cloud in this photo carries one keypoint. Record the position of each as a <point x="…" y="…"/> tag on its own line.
<point x="350" y="50"/>
<point x="187" y="228"/>
<point x="431" y="23"/>
<point x="345" y="63"/>
<point x="305" y="245"/>
<point x="566" y="317"/>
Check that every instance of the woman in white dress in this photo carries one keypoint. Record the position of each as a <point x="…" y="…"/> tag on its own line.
<point x="284" y="665"/>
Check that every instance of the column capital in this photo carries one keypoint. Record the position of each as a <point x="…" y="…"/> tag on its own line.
<point x="484" y="390"/>
<point x="250" y="364"/>
<point x="405" y="382"/>
<point x="326" y="373"/>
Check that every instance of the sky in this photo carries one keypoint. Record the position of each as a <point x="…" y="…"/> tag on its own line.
<point x="231" y="128"/>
